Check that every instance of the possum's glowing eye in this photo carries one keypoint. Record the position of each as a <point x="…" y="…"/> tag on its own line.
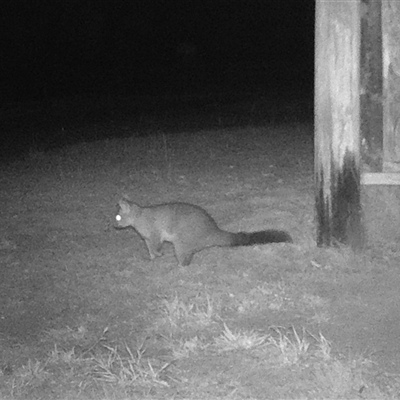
<point x="118" y="218"/>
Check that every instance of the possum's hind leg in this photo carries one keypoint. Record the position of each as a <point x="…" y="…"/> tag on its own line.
<point x="183" y="254"/>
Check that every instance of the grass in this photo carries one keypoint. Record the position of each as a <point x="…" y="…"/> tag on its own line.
<point x="86" y="315"/>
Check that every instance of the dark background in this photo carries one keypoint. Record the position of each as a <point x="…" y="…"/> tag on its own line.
<point x="149" y="53"/>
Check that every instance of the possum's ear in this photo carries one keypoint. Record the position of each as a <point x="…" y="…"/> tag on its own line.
<point x="124" y="205"/>
<point x="125" y="200"/>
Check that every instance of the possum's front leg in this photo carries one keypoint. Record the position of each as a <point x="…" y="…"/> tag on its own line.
<point x="154" y="246"/>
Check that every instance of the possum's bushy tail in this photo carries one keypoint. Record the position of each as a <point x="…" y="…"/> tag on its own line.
<point x="261" y="237"/>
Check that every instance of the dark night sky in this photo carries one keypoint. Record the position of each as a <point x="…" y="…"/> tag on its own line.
<point x="57" y="48"/>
